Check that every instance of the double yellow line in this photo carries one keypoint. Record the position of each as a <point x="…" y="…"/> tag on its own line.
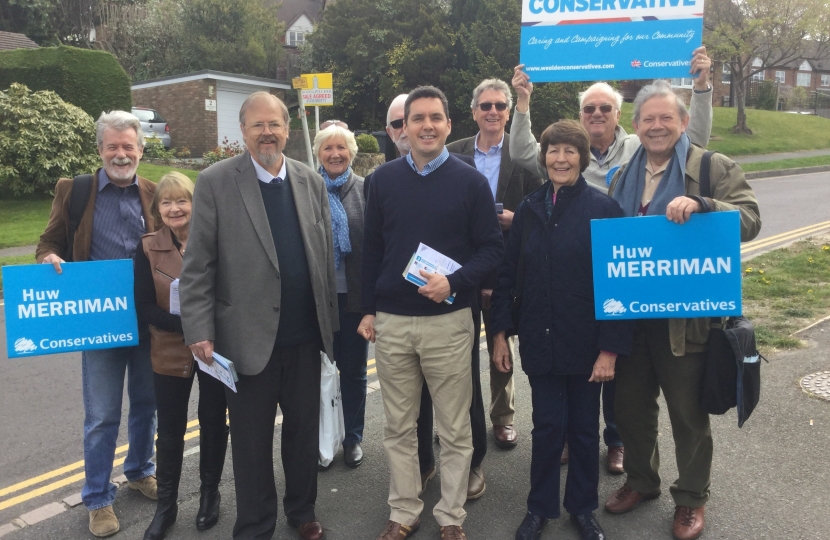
<point x="53" y="486"/>
<point x="784" y="237"/>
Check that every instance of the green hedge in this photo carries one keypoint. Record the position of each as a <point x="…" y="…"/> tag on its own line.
<point x="91" y="80"/>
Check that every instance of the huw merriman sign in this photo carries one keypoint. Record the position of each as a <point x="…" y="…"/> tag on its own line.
<point x="652" y="268"/>
<point x="90" y="305"/>
<point x="588" y="40"/>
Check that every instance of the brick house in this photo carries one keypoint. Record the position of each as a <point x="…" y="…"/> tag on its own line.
<point x="202" y="108"/>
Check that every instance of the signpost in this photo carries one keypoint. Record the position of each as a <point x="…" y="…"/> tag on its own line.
<point x="588" y="40"/>
<point x="652" y="268"/>
<point x="90" y="305"/>
<point x="314" y="89"/>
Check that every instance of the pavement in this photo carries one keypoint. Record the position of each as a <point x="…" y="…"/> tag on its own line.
<point x="769" y="479"/>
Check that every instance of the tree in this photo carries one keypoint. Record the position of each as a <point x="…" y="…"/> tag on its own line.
<point x="777" y="32"/>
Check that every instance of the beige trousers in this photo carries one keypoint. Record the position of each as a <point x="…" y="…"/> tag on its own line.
<point x="409" y="350"/>
<point x="502" y="390"/>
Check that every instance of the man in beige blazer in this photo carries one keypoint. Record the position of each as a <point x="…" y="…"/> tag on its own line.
<point x="258" y="287"/>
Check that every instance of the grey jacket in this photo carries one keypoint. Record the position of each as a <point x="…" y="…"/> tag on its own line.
<point x="351" y="195"/>
<point x="230" y="281"/>
<point x="525" y="150"/>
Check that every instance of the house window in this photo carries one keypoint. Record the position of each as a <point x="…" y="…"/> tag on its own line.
<point x="682" y="83"/>
<point x="758" y="76"/>
<point x="295" y="38"/>
<point x="780" y="77"/>
<point x="726" y="76"/>
<point x="825" y="80"/>
<point x="803" y="79"/>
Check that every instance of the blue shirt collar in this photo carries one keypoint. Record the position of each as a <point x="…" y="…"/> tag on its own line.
<point x="432" y="165"/>
<point x="264" y="176"/>
<point x="496" y="149"/>
<point x="104" y="180"/>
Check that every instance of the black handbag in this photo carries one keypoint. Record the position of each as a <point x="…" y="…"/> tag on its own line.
<point x="732" y="375"/>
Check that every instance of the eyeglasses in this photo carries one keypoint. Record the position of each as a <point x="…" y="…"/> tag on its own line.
<point x="396" y="124"/>
<point x="486" y="106"/>
<point x="259" y="127"/>
<point x="329" y="123"/>
<point x="604" y="109"/>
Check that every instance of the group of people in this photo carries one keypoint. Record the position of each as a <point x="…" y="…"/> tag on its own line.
<point x="277" y="263"/>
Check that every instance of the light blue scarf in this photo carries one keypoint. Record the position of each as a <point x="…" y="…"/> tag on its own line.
<point x="629" y="189"/>
<point x="339" y="220"/>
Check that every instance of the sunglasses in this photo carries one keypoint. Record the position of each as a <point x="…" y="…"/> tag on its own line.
<point x="605" y="109"/>
<point x="486" y="106"/>
<point x="329" y="123"/>
<point x="396" y="124"/>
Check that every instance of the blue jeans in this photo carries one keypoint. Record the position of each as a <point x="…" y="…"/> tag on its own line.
<point x="350" y="353"/>
<point x="103" y="380"/>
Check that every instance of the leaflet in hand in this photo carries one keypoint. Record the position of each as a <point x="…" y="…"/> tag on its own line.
<point x="221" y="369"/>
<point x="426" y="258"/>
<point x="175" y="306"/>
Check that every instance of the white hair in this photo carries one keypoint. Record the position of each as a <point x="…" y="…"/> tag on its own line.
<point x="400" y="99"/>
<point x="119" y="121"/>
<point x="335" y="131"/>
<point x="605" y="87"/>
<point x="492" y="84"/>
<point x="658" y="88"/>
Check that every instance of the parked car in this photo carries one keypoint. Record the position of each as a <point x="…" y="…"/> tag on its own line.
<point x="153" y="124"/>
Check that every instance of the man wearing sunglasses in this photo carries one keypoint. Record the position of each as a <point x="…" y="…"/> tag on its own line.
<point x="599" y="113"/>
<point x="509" y="184"/>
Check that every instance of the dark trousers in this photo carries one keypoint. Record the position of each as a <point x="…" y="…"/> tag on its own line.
<point x="291" y="379"/>
<point x="350" y="354"/>
<point x="173" y="395"/>
<point x="564" y="405"/>
<point x="478" y="424"/>
<point x="610" y="434"/>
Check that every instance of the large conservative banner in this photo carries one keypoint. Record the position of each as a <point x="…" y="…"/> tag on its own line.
<point x="90" y="305"/>
<point x="588" y="40"/>
<point x="651" y="268"/>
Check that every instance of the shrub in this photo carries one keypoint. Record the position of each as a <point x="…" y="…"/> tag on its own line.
<point x="367" y="144"/>
<point x="766" y="96"/>
<point x="183" y="153"/>
<point x="92" y="80"/>
<point x="154" y="148"/>
<point x="224" y="151"/>
<point x="42" y="138"/>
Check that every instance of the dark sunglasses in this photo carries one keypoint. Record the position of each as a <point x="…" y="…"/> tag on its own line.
<point x="605" y="109"/>
<point x="486" y="106"/>
<point x="396" y="124"/>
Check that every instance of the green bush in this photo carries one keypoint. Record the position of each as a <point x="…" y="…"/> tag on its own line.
<point x="367" y="144"/>
<point x="92" y="80"/>
<point x="154" y="148"/>
<point x="766" y="96"/>
<point x="42" y="138"/>
<point x="224" y="151"/>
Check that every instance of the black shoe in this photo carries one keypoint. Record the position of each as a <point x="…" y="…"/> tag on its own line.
<point x="588" y="527"/>
<point x="531" y="527"/>
<point x="321" y="467"/>
<point x="213" y="443"/>
<point x="168" y="472"/>
<point x="352" y="455"/>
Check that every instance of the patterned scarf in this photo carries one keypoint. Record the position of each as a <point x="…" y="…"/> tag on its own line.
<point x="339" y="220"/>
<point x="629" y="189"/>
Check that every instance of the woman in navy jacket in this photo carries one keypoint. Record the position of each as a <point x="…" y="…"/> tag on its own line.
<point x="566" y="353"/>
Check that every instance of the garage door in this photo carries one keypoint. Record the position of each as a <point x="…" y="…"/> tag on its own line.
<point x="229" y="98"/>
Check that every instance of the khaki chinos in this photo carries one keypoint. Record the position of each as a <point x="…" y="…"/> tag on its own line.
<point x="651" y="368"/>
<point x="410" y="350"/>
<point x="502" y="389"/>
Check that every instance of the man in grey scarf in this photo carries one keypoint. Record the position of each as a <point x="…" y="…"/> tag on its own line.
<point x="668" y="355"/>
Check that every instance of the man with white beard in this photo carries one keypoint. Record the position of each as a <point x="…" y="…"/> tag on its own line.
<point x="102" y="217"/>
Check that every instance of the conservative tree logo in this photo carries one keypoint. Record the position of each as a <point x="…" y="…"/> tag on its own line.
<point x="24" y="345"/>
<point x="613" y="307"/>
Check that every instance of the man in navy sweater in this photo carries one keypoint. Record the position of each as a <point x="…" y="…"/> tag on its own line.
<point x="432" y="198"/>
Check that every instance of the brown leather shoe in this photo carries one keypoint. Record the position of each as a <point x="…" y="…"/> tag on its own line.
<point x="475" y="483"/>
<point x="688" y="522"/>
<point x="626" y="499"/>
<point x="506" y="436"/>
<point x="563" y="459"/>
<point x="312" y="530"/>
<point x="396" y="531"/>
<point x="453" y="532"/>
<point x="615" y="459"/>
<point x="102" y="522"/>
<point x="426" y="477"/>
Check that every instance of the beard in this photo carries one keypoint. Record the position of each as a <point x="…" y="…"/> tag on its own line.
<point x="403" y="145"/>
<point x="116" y="174"/>
<point x="267" y="158"/>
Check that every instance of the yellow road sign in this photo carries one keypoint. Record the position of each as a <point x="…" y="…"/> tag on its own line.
<point x="317" y="89"/>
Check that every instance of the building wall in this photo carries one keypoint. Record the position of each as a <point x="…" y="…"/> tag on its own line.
<point x="183" y="106"/>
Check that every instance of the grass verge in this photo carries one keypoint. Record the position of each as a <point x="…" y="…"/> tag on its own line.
<point x="20" y="259"/>
<point x="772" y="131"/>
<point x="22" y="220"/>
<point x="787" y="289"/>
<point x="786" y="164"/>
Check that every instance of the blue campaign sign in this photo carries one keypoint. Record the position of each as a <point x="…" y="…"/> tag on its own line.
<point x="588" y="40"/>
<point x="651" y="268"/>
<point x="88" y="306"/>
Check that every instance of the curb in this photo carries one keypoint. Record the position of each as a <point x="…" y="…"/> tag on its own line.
<point x="786" y="172"/>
